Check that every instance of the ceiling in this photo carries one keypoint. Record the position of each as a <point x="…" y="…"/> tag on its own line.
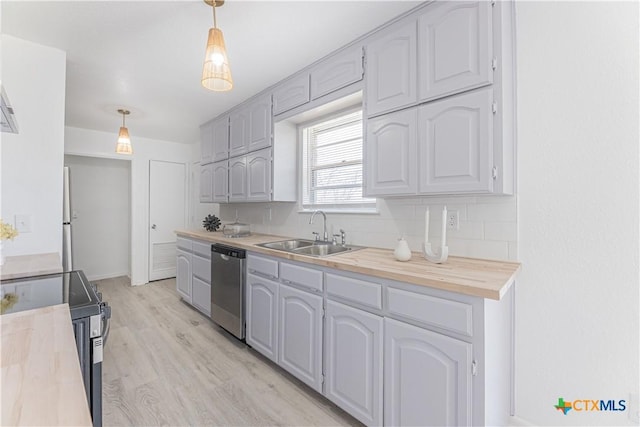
<point x="147" y="56"/>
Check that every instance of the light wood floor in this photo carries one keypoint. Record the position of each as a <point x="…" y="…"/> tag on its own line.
<point x="167" y="364"/>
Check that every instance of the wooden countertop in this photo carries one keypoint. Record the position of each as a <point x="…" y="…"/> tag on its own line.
<point x="15" y="267"/>
<point x="41" y="379"/>
<point x="469" y="276"/>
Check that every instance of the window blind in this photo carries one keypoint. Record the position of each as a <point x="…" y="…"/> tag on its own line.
<point x="332" y="163"/>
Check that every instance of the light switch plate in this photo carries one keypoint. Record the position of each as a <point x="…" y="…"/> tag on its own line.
<point x="23" y="223"/>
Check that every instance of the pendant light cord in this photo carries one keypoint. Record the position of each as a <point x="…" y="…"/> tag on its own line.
<point x="215" y="24"/>
<point x="123" y="120"/>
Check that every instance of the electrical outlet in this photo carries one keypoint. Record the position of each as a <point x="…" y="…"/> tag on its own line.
<point x="453" y="220"/>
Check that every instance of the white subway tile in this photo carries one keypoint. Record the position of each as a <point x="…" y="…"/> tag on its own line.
<point x="479" y="249"/>
<point x="500" y="231"/>
<point x="492" y="212"/>
<point x="468" y="230"/>
<point x="513" y="251"/>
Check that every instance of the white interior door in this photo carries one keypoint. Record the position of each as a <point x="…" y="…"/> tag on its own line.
<point x="167" y="212"/>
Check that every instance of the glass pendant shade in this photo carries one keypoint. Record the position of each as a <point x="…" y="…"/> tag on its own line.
<point x="216" y="74"/>
<point x="124" y="142"/>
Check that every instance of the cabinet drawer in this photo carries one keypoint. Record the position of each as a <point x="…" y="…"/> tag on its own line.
<point x="303" y="276"/>
<point x="201" y="267"/>
<point x="184" y="243"/>
<point x="264" y="266"/>
<point x="453" y="316"/>
<point x="358" y="291"/>
<point x="202" y="248"/>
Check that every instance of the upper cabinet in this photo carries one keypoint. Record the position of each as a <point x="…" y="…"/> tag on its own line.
<point x="238" y="132"/>
<point x="454" y="48"/>
<point x="221" y="138"/>
<point x="391" y="69"/>
<point x="250" y="127"/>
<point x="206" y="143"/>
<point x="291" y="93"/>
<point x="338" y="71"/>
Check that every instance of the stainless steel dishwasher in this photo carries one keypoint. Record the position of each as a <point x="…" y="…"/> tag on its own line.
<point x="227" y="288"/>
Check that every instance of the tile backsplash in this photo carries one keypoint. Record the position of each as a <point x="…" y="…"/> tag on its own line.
<point x="488" y="224"/>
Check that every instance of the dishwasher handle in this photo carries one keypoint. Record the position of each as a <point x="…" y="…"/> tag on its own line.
<point x="228" y="251"/>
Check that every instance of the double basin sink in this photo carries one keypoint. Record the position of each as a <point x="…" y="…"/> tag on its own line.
<point x="309" y="247"/>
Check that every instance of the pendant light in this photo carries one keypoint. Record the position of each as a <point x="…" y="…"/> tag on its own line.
<point x="124" y="142"/>
<point x="216" y="74"/>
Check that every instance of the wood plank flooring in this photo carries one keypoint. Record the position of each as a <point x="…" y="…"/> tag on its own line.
<point x="167" y="364"/>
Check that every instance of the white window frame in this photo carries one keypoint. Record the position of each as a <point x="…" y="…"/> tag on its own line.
<point x="355" y="208"/>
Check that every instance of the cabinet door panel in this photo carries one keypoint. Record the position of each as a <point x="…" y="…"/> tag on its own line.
<point x="262" y="316"/>
<point x="238" y="133"/>
<point x="455" y="48"/>
<point x="201" y="297"/>
<point x="391" y="70"/>
<point x="238" y="179"/>
<point x="206" y="143"/>
<point x="290" y="94"/>
<point x="427" y="377"/>
<point x="206" y="183"/>
<point x="220" y="182"/>
<point x="354" y="362"/>
<point x="300" y="338"/>
<point x="390" y="154"/>
<point x="260" y="124"/>
<point x="259" y="175"/>
<point x="336" y="72"/>
<point x="456" y="144"/>
<point x="183" y="275"/>
<point x="221" y="139"/>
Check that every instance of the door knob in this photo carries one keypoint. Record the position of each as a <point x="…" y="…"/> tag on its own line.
<point x="153" y="227"/>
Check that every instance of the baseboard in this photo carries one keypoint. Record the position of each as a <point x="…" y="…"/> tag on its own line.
<point x="107" y="276"/>
<point x="519" y="422"/>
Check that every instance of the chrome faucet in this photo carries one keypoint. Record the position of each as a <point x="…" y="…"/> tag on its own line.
<point x="325" y="236"/>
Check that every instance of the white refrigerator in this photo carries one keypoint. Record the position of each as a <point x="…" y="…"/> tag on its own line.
<point x="67" y="252"/>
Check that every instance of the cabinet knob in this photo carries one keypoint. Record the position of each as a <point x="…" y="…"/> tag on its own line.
<point x="153" y="227"/>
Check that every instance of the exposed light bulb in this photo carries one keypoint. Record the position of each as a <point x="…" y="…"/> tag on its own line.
<point x="217" y="58"/>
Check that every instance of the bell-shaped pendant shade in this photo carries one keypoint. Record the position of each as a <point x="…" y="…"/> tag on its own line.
<point x="124" y="142"/>
<point x="216" y="74"/>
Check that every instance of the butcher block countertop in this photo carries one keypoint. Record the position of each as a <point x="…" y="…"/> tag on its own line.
<point x="468" y="276"/>
<point x="41" y="379"/>
<point x="30" y="265"/>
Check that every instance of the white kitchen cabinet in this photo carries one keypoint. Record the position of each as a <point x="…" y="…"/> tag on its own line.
<point x="259" y="175"/>
<point x="390" y="154"/>
<point x="221" y="138"/>
<point x="238" y="132"/>
<point x="183" y="274"/>
<point x="206" y="143"/>
<point x="262" y="315"/>
<point x="260" y="123"/>
<point x="238" y="179"/>
<point x="201" y="278"/>
<point x="456" y="144"/>
<point x="391" y="68"/>
<point x="300" y="335"/>
<point x="221" y="182"/>
<point x="337" y="71"/>
<point x="454" y="48"/>
<point x="291" y="93"/>
<point x="353" y="361"/>
<point x="206" y="183"/>
<point x="201" y="295"/>
<point x="427" y="377"/>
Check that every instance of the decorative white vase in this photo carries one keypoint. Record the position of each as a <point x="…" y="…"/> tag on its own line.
<point x="402" y="252"/>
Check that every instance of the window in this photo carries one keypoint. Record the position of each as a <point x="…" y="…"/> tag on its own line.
<point x="332" y="164"/>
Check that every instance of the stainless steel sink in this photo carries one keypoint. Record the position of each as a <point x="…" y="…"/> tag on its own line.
<point x="322" y="250"/>
<point x="308" y="247"/>
<point x="287" y="245"/>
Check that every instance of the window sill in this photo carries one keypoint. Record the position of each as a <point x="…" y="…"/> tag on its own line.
<point x="347" y="211"/>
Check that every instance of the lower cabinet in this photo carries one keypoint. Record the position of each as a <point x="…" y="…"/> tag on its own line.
<point x="353" y="361"/>
<point x="427" y="377"/>
<point x="183" y="274"/>
<point x="201" y="295"/>
<point x="262" y="315"/>
<point x="300" y="335"/>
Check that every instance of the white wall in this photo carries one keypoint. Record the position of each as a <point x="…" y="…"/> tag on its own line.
<point x="93" y="143"/>
<point x="100" y="197"/>
<point x="31" y="171"/>
<point x="577" y="303"/>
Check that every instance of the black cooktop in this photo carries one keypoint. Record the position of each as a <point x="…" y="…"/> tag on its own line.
<point x="71" y="287"/>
